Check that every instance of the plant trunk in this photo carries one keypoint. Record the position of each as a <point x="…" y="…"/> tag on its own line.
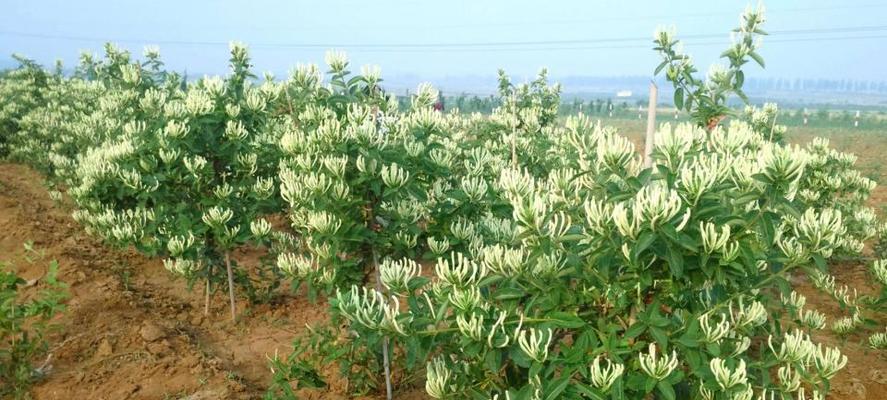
<point x="231" y="286"/>
<point x="386" y="362"/>
<point x="208" y="290"/>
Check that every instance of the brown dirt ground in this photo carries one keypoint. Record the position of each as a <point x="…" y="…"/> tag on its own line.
<point x="133" y="332"/>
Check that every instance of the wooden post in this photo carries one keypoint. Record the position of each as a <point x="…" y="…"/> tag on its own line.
<point x="651" y="126"/>
<point x="209" y="276"/>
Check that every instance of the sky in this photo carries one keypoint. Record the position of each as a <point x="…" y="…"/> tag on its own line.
<point x="810" y="39"/>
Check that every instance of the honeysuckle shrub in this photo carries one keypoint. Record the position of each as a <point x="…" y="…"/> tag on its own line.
<point x="620" y="281"/>
<point x="185" y="174"/>
<point x="73" y="113"/>
<point x="22" y="89"/>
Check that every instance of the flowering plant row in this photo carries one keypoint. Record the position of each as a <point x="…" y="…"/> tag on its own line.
<point x="511" y="255"/>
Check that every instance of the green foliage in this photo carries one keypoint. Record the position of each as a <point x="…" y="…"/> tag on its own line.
<point x="706" y="100"/>
<point x="24" y="320"/>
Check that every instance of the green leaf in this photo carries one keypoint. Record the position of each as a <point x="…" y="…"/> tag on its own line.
<point x="679" y="98"/>
<point x="758" y="59"/>
<point x="566" y="320"/>
<point x="666" y="390"/>
<point x="557" y="387"/>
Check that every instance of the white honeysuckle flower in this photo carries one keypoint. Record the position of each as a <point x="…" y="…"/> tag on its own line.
<point x="131" y="74"/>
<point x="793" y="249"/>
<point x="475" y="188"/>
<point x="503" y="260"/>
<point x="549" y="265"/>
<point x="812" y="319"/>
<point x="459" y="270"/>
<point x="396" y="275"/>
<point x="783" y="163"/>
<point x="532" y="212"/>
<point x="628" y="226"/>
<point x="466" y="300"/>
<point x="714" y="333"/>
<point x="730" y="252"/>
<point x="695" y="180"/>
<point x="336" y="60"/>
<point x="828" y="362"/>
<point x="181" y="266"/>
<point x="795" y="300"/>
<point x="789" y="379"/>
<point x="217" y="217"/>
<point x="820" y="230"/>
<point x="198" y="102"/>
<point x="604" y="377"/>
<point x="471" y="327"/>
<point x="223" y="191"/>
<point x="151" y="51"/>
<point x="437" y="378"/>
<point x="534" y="343"/>
<point x="665" y="34"/>
<point x="391" y="314"/>
<point x="741" y="345"/>
<point x="878" y="340"/>
<point x="255" y="101"/>
<point x="658" y="368"/>
<point x="726" y="377"/>
<point x="462" y="229"/>
<point x="176" y="129"/>
<point x="558" y="226"/>
<point x="615" y="153"/>
<point x="263" y="188"/>
<point x="657" y="204"/>
<point x="438" y="247"/>
<point x="260" y="227"/>
<point x="178" y="245"/>
<point x="214" y="85"/>
<point x="753" y="315"/>
<point x="498" y="329"/>
<point x="844" y="326"/>
<point x="712" y="240"/>
<point x="426" y="96"/>
<point x="234" y="130"/>
<point x="363" y="306"/>
<point x="796" y="346"/>
<point x="372" y="73"/>
<point x="823" y="281"/>
<point x="802" y="395"/>
<point x="248" y="162"/>
<point x="879" y="270"/>
<point x="406" y="239"/>
<point x="672" y="145"/>
<point x="169" y="156"/>
<point x="296" y="266"/>
<point x="597" y="215"/>
<point x="706" y="394"/>
<point x="232" y="110"/>
<point x="394" y="176"/>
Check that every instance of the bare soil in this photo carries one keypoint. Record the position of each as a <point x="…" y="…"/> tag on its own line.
<point x="133" y="332"/>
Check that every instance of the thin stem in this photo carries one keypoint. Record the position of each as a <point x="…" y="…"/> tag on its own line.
<point x="386" y="362"/>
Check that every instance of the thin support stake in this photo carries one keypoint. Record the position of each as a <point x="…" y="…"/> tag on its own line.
<point x="231" y="286"/>
<point x="651" y="127"/>
<point x="209" y="275"/>
<point x="386" y="362"/>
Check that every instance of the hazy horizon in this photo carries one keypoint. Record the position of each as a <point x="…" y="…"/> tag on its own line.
<point x="815" y="40"/>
